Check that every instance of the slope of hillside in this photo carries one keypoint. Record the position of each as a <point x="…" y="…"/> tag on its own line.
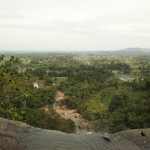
<point x="19" y="136"/>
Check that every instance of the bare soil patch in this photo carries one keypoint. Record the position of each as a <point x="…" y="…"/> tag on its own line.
<point x="82" y="124"/>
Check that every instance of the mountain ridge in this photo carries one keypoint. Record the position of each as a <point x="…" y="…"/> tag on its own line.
<point x="128" y="51"/>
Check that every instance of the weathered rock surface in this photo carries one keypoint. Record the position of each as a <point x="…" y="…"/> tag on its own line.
<point x="20" y="136"/>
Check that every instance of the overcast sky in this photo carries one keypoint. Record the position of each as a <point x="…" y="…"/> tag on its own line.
<point x="74" y="24"/>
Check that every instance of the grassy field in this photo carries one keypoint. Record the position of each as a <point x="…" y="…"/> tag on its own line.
<point x="58" y="80"/>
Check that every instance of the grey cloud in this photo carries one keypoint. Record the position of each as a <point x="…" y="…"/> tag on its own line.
<point x="109" y="20"/>
<point x="12" y="15"/>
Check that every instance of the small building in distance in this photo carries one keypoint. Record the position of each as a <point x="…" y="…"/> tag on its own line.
<point x="126" y="79"/>
<point x="35" y="85"/>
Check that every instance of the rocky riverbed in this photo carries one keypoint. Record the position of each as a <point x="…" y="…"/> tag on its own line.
<point x="82" y="124"/>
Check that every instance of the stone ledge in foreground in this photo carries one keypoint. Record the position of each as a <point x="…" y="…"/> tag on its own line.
<point x="16" y="135"/>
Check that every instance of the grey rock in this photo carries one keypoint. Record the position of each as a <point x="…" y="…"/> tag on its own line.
<point x="20" y="136"/>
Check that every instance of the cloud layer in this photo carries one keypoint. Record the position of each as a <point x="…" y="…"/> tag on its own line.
<point x="74" y="24"/>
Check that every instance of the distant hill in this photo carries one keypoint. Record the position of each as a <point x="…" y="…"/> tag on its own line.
<point x="128" y="51"/>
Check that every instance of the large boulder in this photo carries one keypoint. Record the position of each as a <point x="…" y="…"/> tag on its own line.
<point x="20" y="136"/>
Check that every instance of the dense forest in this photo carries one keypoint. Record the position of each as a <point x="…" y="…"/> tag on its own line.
<point x="111" y="91"/>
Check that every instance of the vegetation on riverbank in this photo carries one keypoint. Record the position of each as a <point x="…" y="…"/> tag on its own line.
<point x="111" y="91"/>
<point x="19" y="100"/>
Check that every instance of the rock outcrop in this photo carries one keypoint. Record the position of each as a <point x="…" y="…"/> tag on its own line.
<point x="20" y="136"/>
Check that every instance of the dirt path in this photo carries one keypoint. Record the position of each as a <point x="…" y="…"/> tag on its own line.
<point x="82" y="124"/>
<point x="62" y="110"/>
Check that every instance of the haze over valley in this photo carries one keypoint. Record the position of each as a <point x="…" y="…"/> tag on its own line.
<point x="74" y="74"/>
